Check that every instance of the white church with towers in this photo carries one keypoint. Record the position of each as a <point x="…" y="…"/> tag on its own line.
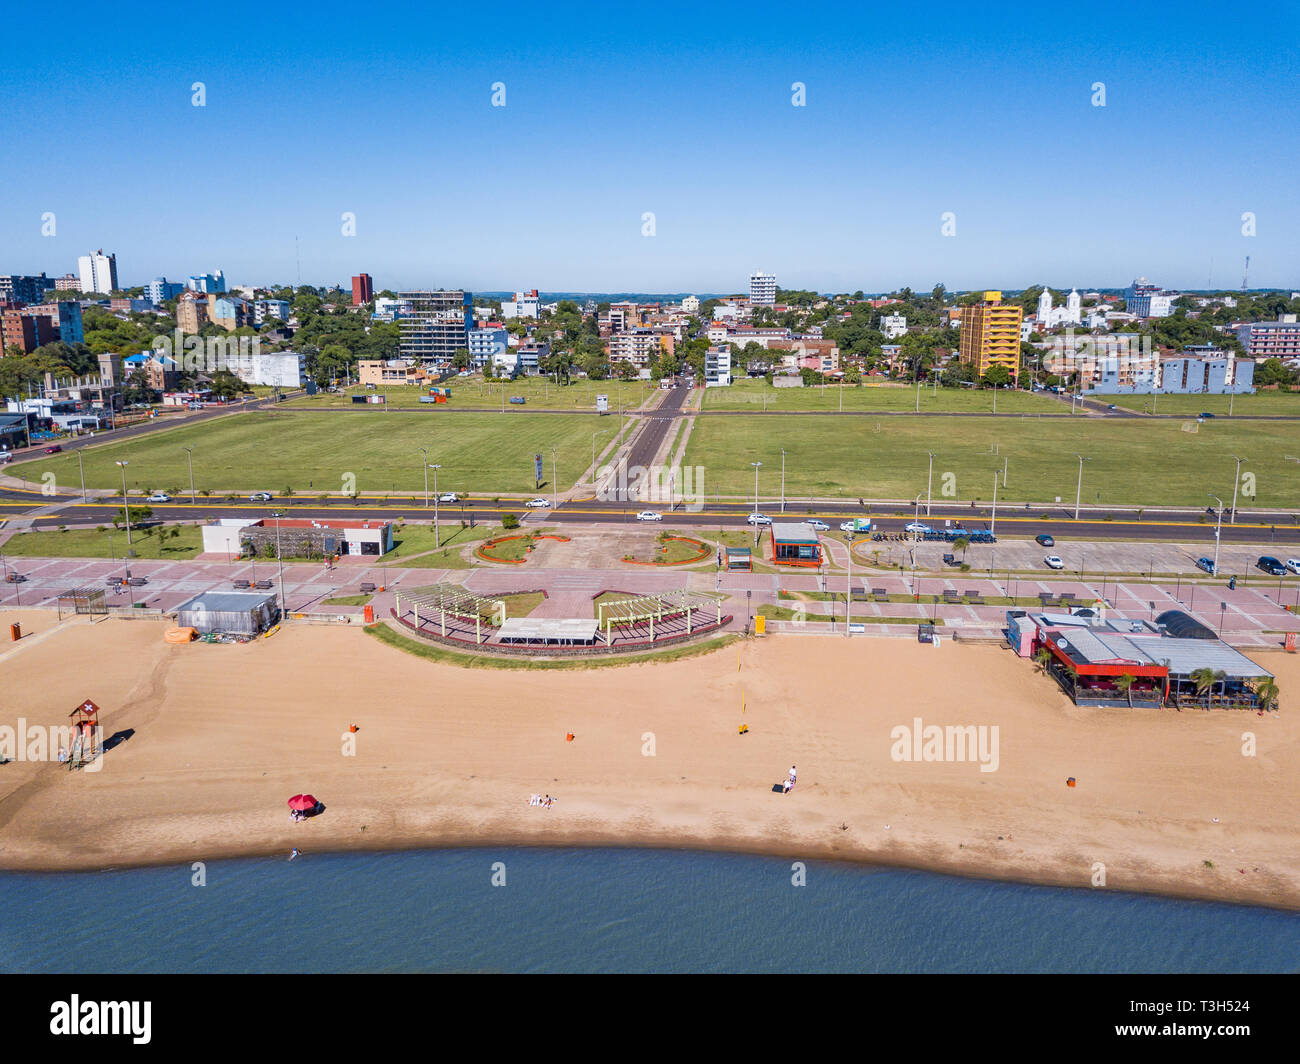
<point x="1071" y="314"/>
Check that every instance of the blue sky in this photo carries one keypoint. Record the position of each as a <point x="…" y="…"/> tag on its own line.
<point x="982" y="110"/>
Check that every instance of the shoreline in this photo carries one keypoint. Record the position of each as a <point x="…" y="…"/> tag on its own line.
<point x="221" y="735"/>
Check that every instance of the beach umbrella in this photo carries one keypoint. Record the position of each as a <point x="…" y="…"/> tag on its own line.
<point x="302" y="802"/>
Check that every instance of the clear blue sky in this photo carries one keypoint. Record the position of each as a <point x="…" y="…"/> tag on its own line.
<point x="683" y="110"/>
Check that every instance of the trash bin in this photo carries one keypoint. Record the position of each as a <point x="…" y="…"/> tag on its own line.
<point x="370" y="614"/>
<point x="15" y="632"/>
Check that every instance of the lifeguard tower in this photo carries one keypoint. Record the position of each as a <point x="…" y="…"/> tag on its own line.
<point x="87" y="738"/>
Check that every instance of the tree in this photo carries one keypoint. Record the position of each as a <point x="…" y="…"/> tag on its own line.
<point x="1266" y="691"/>
<point x="998" y="376"/>
<point x="460" y="359"/>
<point x="1204" y="681"/>
<point x="1125" y="686"/>
<point x="1043" y="657"/>
<point x="961" y="543"/>
<point x="131" y="516"/>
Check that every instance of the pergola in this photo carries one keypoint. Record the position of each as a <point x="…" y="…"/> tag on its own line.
<point x="653" y="608"/>
<point x="453" y="600"/>
<point x="83" y="600"/>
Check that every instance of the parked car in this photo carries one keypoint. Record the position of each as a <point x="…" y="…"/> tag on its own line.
<point x="6" y="456"/>
<point x="916" y="526"/>
<point x="53" y="449"/>
<point x="1111" y="407"/>
<point x="448" y="496"/>
<point x="1206" y="564"/>
<point x="1053" y="562"/>
<point x="277" y="513"/>
<point x="1271" y="566"/>
<point x="159" y="496"/>
<point x="260" y="496"/>
<point x="539" y="501"/>
<point x="818" y="525"/>
<point x="518" y="400"/>
<point x="1205" y="414"/>
<point x="1293" y="564"/>
<point x="847" y="526"/>
<point x="1044" y="540"/>
<point x="649" y="515"/>
<point x="758" y="519"/>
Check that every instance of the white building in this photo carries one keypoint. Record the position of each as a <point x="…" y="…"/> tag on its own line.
<point x="691" y="305"/>
<point x="1053" y="317"/>
<point x="524" y="305"/>
<point x="270" y="308"/>
<point x="98" y="272"/>
<point x="717" y="367"/>
<point x="762" y="289"/>
<point x="207" y="282"/>
<point x="486" y="343"/>
<point x="893" y="325"/>
<point x="389" y="309"/>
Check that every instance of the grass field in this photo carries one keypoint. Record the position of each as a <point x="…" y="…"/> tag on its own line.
<point x="111" y="543"/>
<point x="474" y="393"/>
<point x="1133" y="461"/>
<point x="479" y="453"/>
<point x="1264" y="404"/>
<point x="753" y="394"/>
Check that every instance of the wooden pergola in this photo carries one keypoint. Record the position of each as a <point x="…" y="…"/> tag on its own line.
<point x="653" y="608"/>
<point x="454" y="601"/>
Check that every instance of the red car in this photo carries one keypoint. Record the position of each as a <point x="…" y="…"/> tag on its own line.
<point x="53" y="450"/>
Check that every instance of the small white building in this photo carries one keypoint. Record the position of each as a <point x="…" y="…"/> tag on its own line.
<point x="717" y="367"/>
<point x="893" y="326"/>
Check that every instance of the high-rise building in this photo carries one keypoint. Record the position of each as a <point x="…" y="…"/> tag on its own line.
<point x="1148" y="300"/>
<point x="1271" y="339"/>
<point x="69" y="282"/>
<point x="21" y="288"/>
<point x="990" y="335"/>
<point x="762" y="289"/>
<point x="524" y="305"/>
<point x="363" y="289"/>
<point x="98" y="272"/>
<point x="207" y="283"/>
<point x="159" y="290"/>
<point x="437" y="326"/>
<point x="65" y="319"/>
<point x="191" y="312"/>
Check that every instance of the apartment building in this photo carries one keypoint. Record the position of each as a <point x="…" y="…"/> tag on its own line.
<point x="1271" y="339"/>
<point x="230" y="312"/>
<point x="266" y="309"/>
<point x="524" y="305"/>
<point x="893" y="326"/>
<point x="363" y="289"/>
<point x="24" y="331"/>
<point x="639" y="347"/>
<point x="1147" y="300"/>
<point x="393" y="371"/>
<point x="717" y="367"/>
<point x="159" y="290"/>
<point x="24" y="288"/>
<point x="207" y="283"/>
<point x="486" y="342"/>
<point x="191" y="312"/>
<point x="762" y="289"/>
<point x="64" y="317"/>
<point x="990" y="335"/>
<point x="437" y="326"/>
<point x="98" y="272"/>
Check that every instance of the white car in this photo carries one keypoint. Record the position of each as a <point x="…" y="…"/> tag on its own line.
<point x="539" y="501"/>
<point x="448" y="496"/>
<point x="916" y="526"/>
<point x="1053" y="562"/>
<point x="759" y="519"/>
<point x="159" y="496"/>
<point x="260" y="496"/>
<point x="819" y="526"/>
<point x="1293" y="564"/>
<point x="847" y="526"/>
<point x="649" y="515"/>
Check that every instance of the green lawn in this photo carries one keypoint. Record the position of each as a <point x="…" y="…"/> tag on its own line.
<point x="1132" y="461"/>
<point x="474" y="393"/>
<point x="88" y="543"/>
<point x="317" y="452"/>
<point x="1265" y="404"/>
<point x="413" y="544"/>
<point x="758" y="395"/>
<point x="349" y="600"/>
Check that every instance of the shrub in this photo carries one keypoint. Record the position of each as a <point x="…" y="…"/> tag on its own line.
<point x="509" y="521"/>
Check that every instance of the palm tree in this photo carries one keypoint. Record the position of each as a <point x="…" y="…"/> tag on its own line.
<point x="1125" y="685"/>
<point x="1043" y="658"/>
<point x="1266" y="691"/>
<point x="1204" y="681"/>
<point x="961" y="543"/>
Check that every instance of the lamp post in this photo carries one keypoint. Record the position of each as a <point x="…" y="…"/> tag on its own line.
<point x="555" y="491"/>
<point x="783" y="480"/>
<point x="757" y="466"/>
<point x="1236" y="481"/>
<point x="1218" y="524"/>
<point x="424" y="452"/>
<point x="279" y="557"/>
<point x="929" y="481"/>
<point x="1078" y="490"/>
<point x="189" y="460"/>
<point x="916" y="515"/>
<point x="82" y="470"/>
<point x="993" y="519"/>
<point x="126" y="505"/>
<point x="437" y="542"/>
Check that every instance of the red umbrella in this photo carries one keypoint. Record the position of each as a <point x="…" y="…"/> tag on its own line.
<point x="303" y="802"/>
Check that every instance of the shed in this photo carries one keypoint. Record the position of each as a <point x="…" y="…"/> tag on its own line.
<point x="795" y="544"/>
<point x="232" y="612"/>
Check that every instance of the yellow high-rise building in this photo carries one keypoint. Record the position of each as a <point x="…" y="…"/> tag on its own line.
<point x="990" y="335"/>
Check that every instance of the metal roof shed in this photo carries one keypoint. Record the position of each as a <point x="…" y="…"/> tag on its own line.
<point x="233" y="612"/>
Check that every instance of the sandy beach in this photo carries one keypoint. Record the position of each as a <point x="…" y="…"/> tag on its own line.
<point x="222" y="735"/>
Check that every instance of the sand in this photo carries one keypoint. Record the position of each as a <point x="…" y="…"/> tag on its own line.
<point x="224" y="734"/>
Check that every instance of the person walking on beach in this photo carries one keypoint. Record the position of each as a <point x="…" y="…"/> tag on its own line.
<point x="295" y="853"/>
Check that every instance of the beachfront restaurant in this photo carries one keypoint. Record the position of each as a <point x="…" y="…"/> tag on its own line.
<point x="795" y="544"/>
<point x="1122" y="661"/>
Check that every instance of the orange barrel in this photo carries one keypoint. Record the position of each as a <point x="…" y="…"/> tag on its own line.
<point x="15" y="632"/>
<point x="370" y="615"/>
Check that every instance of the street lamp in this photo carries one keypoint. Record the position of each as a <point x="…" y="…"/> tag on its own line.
<point x="1078" y="491"/>
<point x="757" y="466"/>
<point x="82" y="470"/>
<point x="436" y="541"/>
<point x="126" y="504"/>
<point x="1236" y="482"/>
<point x="189" y="459"/>
<point x="929" y="481"/>
<point x="555" y="489"/>
<point x="783" y="480"/>
<point x="424" y="453"/>
<point x="1218" y="524"/>
<point x="993" y="520"/>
